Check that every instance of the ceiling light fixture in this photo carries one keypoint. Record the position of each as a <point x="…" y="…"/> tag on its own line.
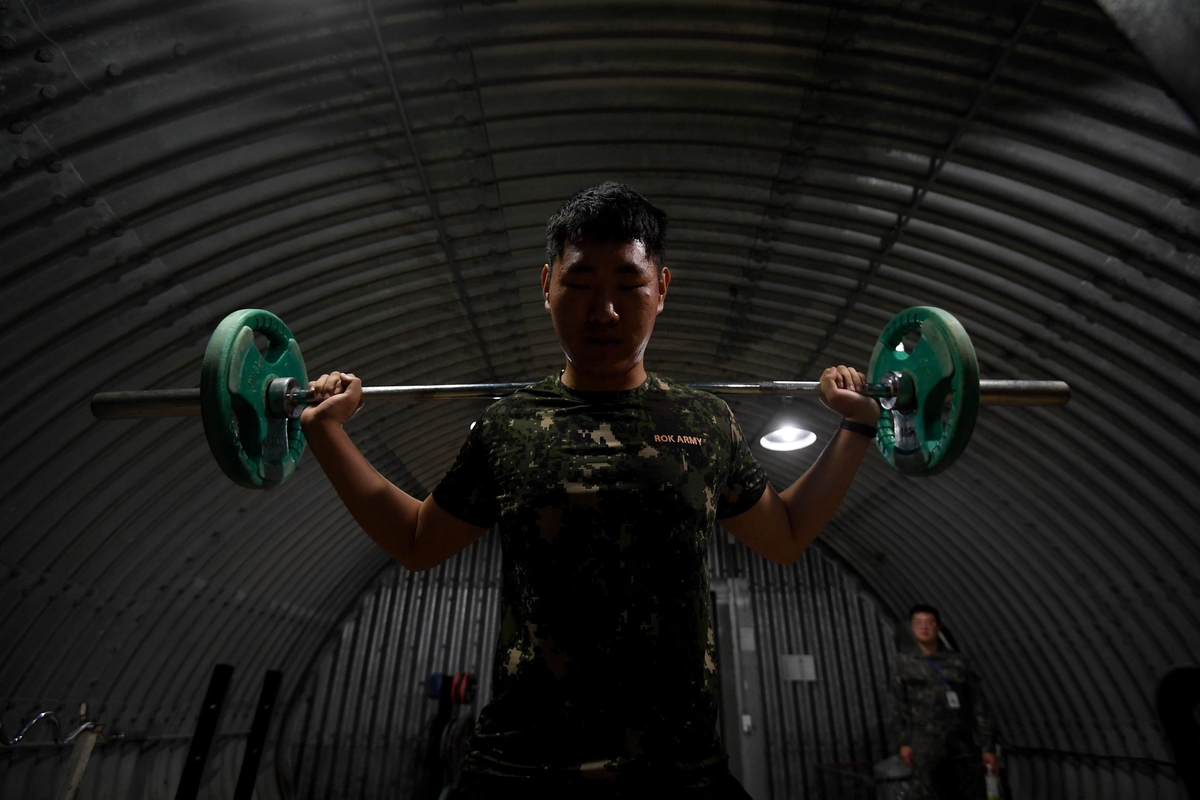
<point x="788" y="438"/>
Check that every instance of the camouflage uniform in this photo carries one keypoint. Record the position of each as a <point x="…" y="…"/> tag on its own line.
<point x="605" y="503"/>
<point x="946" y="742"/>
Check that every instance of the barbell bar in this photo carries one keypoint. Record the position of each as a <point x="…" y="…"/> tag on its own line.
<point x="923" y="371"/>
<point x="186" y="402"/>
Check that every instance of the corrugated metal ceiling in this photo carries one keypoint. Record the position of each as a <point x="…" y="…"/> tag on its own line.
<point x="824" y="165"/>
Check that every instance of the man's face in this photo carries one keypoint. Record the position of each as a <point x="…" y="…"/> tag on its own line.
<point x="603" y="299"/>
<point x="925" y="627"/>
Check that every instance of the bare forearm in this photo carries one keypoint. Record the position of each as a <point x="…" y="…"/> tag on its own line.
<point x="780" y="527"/>
<point x="814" y="498"/>
<point x="418" y="534"/>
<point x="387" y="514"/>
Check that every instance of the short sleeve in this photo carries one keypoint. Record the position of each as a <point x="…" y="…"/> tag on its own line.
<point x="746" y="482"/>
<point x="469" y="489"/>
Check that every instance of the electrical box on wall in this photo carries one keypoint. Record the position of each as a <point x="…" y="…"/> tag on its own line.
<point x="798" y="667"/>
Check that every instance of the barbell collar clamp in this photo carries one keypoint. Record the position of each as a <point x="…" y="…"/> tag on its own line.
<point x="899" y="391"/>
<point x="282" y="396"/>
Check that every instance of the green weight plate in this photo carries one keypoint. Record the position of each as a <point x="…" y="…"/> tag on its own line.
<point x="253" y="449"/>
<point x="925" y="436"/>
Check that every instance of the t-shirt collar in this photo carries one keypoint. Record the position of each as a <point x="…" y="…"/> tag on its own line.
<point x="605" y="397"/>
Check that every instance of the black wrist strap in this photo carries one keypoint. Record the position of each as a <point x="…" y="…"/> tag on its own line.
<point x="868" y="431"/>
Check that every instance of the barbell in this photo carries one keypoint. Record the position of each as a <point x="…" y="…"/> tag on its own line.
<point x="923" y="372"/>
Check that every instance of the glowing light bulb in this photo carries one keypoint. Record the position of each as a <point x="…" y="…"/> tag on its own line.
<point x="788" y="438"/>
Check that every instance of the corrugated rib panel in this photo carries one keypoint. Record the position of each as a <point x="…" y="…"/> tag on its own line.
<point x="135" y="769"/>
<point x="824" y="166"/>
<point x="822" y="736"/>
<point x="358" y="721"/>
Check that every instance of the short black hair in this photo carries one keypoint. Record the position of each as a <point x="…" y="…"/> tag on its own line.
<point x="924" y="608"/>
<point x="610" y="212"/>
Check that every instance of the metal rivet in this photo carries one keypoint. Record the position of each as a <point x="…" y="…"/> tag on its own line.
<point x="44" y="54"/>
<point x="114" y="70"/>
<point x="21" y="162"/>
<point x="49" y="92"/>
<point x="54" y="166"/>
<point x="18" y="126"/>
<point x="7" y="42"/>
<point x="181" y="49"/>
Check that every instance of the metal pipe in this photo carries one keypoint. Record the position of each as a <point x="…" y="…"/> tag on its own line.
<point x="186" y="402"/>
<point x="51" y="720"/>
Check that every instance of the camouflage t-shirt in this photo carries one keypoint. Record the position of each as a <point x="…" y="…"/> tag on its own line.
<point x="920" y="714"/>
<point x="605" y="504"/>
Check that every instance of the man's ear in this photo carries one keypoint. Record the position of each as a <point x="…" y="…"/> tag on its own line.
<point x="664" y="280"/>
<point x="546" y="286"/>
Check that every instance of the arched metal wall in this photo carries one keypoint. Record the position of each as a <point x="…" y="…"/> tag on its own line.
<point x="358" y="722"/>
<point x="356" y="725"/>
<point x="824" y="164"/>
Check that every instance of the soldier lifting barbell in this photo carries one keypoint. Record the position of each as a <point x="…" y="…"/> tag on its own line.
<point x="605" y="482"/>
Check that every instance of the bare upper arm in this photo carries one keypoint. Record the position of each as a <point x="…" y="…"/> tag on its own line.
<point x="765" y="528"/>
<point x="439" y="535"/>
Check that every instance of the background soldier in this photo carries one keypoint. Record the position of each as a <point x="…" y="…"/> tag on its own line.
<point x="939" y="718"/>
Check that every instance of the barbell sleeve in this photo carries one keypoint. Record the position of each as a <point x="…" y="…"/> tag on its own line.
<point x="1024" y="393"/>
<point x="150" y="403"/>
<point x="186" y="402"/>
